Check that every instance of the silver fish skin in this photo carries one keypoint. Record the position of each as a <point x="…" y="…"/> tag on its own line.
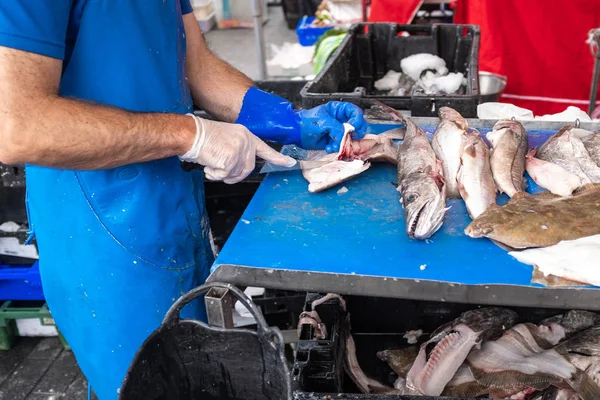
<point x="573" y="321"/>
<point x="453" y="341"/>
<point x="592" y="145"/>
<point x="475" y="180"/>
<point x="447" y="143"/>
<point x="509" y="143"/>
<point x="421" y="184"/>
<point x="566" y="149"/>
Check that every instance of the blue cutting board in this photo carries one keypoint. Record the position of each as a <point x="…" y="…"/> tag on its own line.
<point x="363" y="232"/>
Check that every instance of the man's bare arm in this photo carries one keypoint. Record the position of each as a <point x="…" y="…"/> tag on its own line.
<point x="39" y="127"/>
<point x="216" y="86"/>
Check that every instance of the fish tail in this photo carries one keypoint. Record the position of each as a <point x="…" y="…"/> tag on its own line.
<point x="585" y="386"/>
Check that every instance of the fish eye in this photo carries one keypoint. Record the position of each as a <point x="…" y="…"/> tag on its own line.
<point x="411" y="198"/>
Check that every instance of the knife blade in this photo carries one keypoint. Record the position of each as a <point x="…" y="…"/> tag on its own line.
<point x="268" y="168"/>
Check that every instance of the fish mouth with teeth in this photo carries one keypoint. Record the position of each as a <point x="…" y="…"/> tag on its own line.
<point x="424" y="204"/>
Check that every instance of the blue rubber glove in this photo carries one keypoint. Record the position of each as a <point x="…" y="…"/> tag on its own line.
<point x="273" y="118"/>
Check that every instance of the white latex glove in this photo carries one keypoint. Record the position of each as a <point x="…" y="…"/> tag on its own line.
<point x="228" y="151"/>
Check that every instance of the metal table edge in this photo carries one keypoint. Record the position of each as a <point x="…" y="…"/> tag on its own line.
<point x="376" y="286"/>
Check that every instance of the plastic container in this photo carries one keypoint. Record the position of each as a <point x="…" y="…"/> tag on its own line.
<point x="20" y="282"/>
<point x="376" y="324"/>
<point x="369" y="51"/>
<point x="308" y="34"/>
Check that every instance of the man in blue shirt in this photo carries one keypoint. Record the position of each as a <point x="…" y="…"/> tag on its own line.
<point x="94" y="94"/>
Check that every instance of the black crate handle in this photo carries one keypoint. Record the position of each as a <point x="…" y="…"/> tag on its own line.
<point x="172" y="316"/>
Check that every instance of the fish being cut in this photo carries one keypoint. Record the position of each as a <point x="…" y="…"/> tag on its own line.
<point x="575" y="260"/>
<point x="566" y="149"/>
<point x="440" y="358"/>
<point x="542" y="219"/>
<point x="475" y="181"/>
<point x="421" y="184"/>
<point x="352" y="159"/>
<point x="551" y="176"/>
<point x="509" y="143"/>
<point x="447" y="143"/>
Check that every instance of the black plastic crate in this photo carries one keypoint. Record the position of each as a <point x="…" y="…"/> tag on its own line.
<point x="376" y="324"/>
<point x="369" y="51"/>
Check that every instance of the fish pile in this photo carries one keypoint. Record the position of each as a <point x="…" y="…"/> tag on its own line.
<point x="486" y="353"/>
<point x="421" y="73"/>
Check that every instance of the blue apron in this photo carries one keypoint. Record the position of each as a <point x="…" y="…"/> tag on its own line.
<point x="117" y="247"/>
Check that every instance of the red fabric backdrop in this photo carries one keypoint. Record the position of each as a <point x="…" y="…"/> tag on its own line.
<point x="399" y="11"/>
<point x="538" y="44"/>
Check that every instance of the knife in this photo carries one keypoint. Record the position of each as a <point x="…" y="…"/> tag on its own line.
<point x="301" y="164"/>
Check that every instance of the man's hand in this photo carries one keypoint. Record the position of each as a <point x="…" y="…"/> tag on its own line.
<point x="322" y="126"/>
<point x="228" y="151"/>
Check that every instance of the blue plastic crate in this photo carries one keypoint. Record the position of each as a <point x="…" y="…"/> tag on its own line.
<point x="20" y="282"/>
<point x="307" y="34"/>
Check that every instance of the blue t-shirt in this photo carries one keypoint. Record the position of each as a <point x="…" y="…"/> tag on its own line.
<point x="115" y="52"/>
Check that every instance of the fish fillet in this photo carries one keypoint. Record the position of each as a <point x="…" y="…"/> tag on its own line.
<point x="575" y="260"/>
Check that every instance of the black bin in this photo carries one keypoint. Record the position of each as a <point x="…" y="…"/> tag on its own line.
<point x="369" y="51"/>
<point x="188" y="360"/>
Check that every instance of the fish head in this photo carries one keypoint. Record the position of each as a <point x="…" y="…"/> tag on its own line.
<point x="424" y="202"/>
<point x="484" y="223"/>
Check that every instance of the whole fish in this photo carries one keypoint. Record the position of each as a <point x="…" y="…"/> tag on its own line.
<point x="447" y="143"/>
<point x="475" y="180"/>
<point x="509" y="143"/>
<point x="440" y="358"/>
<point x="421" y="184"/>
<point x="551" y="176"/>
<point x="566" y="149"/>
<point x="524" y="357"/>
<point x="574" y="260"/>
<point x="573" y="321"/>
<point x="541" y="219"/>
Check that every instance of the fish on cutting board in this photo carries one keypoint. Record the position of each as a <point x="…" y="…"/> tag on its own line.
<point x="475" y="180"/>
<point x="421" y="184"/>
<point x="352" y="159"/>
<point x="566" y="149"/>
<point x="509" y="145"/>
<point x="551" y="176"/>
<point x="440" y="358"/>
<point x="575" y="260"/>
<point x="541" y="219"/>
<point x="447" y="143"/>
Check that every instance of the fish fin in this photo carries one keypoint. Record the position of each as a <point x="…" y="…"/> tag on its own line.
<point x="508" y="378"/>
<point x="531" y="153"/>
<point x="470" y="150"/>
<point x="586" y="188"/>
<point x="394" y="184"/>
<point x="584" y="386"/>
<point x="520" y="195"/>
<point x="502" y="245"/>
<point x="384" y="390"/>
<point x="473" y="131"/>
<point x="394" y="134"/>
<point x="545" y="195"/>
